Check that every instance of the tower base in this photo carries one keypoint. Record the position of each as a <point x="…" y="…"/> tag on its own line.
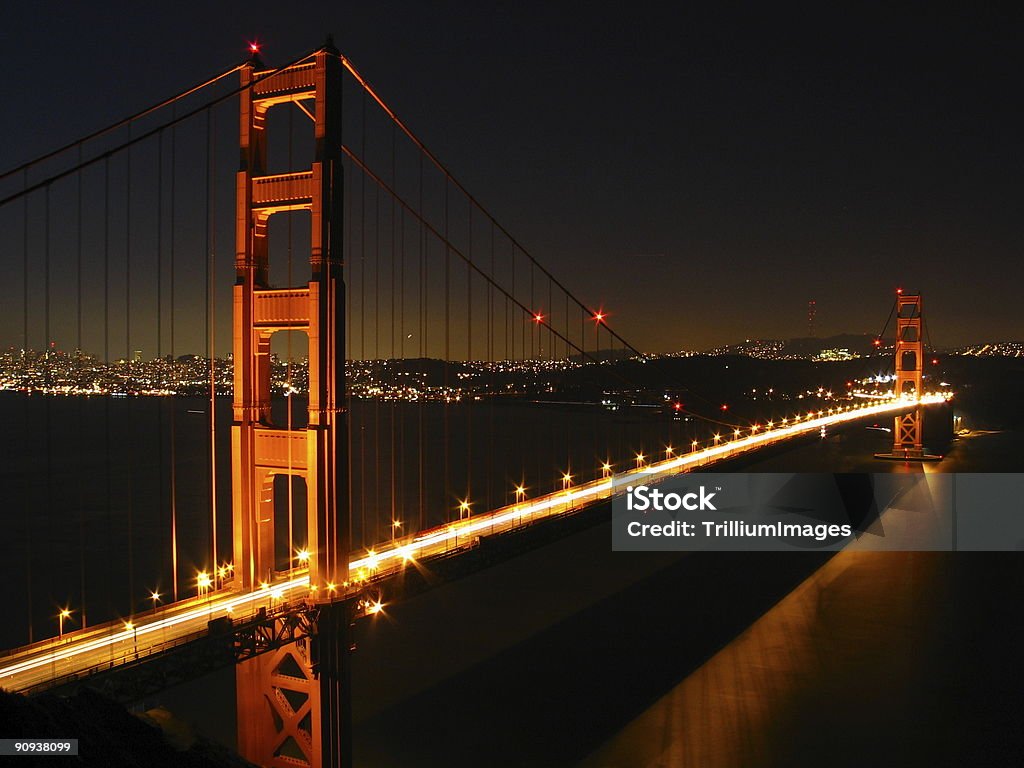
<point x="909" y="455"/>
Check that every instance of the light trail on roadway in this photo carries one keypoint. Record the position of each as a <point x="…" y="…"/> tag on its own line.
<point x="114" y="643"/>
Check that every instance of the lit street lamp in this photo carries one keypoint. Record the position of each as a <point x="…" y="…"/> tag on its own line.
<point x="155" y="597"/>
<point x="204" y="582"/>
<point x="135" y="636"/>
<point x="64" y="614"/>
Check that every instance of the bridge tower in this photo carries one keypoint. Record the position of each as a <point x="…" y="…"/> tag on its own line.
<point x="291" y="702"/>
<point x="909" y="368"/>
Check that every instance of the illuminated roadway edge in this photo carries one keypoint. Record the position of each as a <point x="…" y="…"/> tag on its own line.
<point x="107" y="645"/>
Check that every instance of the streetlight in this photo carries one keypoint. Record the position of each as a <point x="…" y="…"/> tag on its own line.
<point x="606" y="470"/>
<point x="639" y="460"/>
<point x="693" y="446"/>
<point x="64" y="614"/>
<point x="464" y="508"/>
<point x="302" y="555"/>
<point x="668" y="452"/>
<point x="204" y="582"/>
<point x="395" y="525"/>
<point x="520" y="493"/>
<point x="129" y="625"/>
<point x="566" y="481"/>
<point x="155" y="597"/>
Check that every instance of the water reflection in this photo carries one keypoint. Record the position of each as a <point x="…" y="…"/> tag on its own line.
<point x="832" y="675"/>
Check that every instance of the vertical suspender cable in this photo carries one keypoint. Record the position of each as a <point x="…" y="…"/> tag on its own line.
<point x="210" y="355"/>
<point x="348" y="273"/>
<point x="47" y="392"/>
<point x="402" y="335"/>
<point x="469" y="359"/>
<point x="109" y="538"/>
<point x="362" y="329"/>
<point x="81" y="427"/>
<point x="421" y="333"/>
<point x="376" y="361"/>
<point x="393" y="367"/>
<point x="159" y="316"/>
<point x="447" y="350"/>
<point x="27" y="416"/>
<point x="491" y="442"/>
<point x="128" y="366"/>
<point x="174" y="405"/>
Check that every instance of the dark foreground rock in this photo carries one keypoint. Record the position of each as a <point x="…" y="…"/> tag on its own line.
<point x="108" y="734"/>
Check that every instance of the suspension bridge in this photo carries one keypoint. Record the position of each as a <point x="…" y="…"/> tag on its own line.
<point x="406" y="380"/>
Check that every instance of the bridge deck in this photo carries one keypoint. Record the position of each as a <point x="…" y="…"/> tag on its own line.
<point x="102" y="647"/>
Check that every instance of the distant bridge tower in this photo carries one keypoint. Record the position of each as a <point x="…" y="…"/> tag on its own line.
<point x="909" y="368"/>
<point x="909" y="373"/>
<point x="287" y="715"/>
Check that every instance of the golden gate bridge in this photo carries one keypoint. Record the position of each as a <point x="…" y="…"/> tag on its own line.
<point x="419" y="312"/>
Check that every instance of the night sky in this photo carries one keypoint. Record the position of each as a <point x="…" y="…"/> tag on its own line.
<point x="702" y="174"/>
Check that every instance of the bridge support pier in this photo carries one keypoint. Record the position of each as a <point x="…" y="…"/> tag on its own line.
<point x="278" y="708"/>
<point x="331" y="649"/>
<point x="294" y="704"/>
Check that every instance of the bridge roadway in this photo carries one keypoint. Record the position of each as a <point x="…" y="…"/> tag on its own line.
<point x="101" y="647"/>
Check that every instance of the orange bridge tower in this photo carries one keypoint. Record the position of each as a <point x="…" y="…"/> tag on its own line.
<point x="908" y="427"/>
<point x="291" y="707"/>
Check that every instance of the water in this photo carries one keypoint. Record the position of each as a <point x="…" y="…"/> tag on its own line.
<point x="89" y="485"/>
<point x="878" y="658"/>
<point x="881" y="658"/>
<point x="716" y="659"/>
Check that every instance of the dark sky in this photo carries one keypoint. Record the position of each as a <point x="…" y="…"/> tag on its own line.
<point x="700" y="173"/>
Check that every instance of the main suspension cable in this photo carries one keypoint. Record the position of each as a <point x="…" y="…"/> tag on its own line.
<point x="120" y="123"/>
<point x="148" y="134"/>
